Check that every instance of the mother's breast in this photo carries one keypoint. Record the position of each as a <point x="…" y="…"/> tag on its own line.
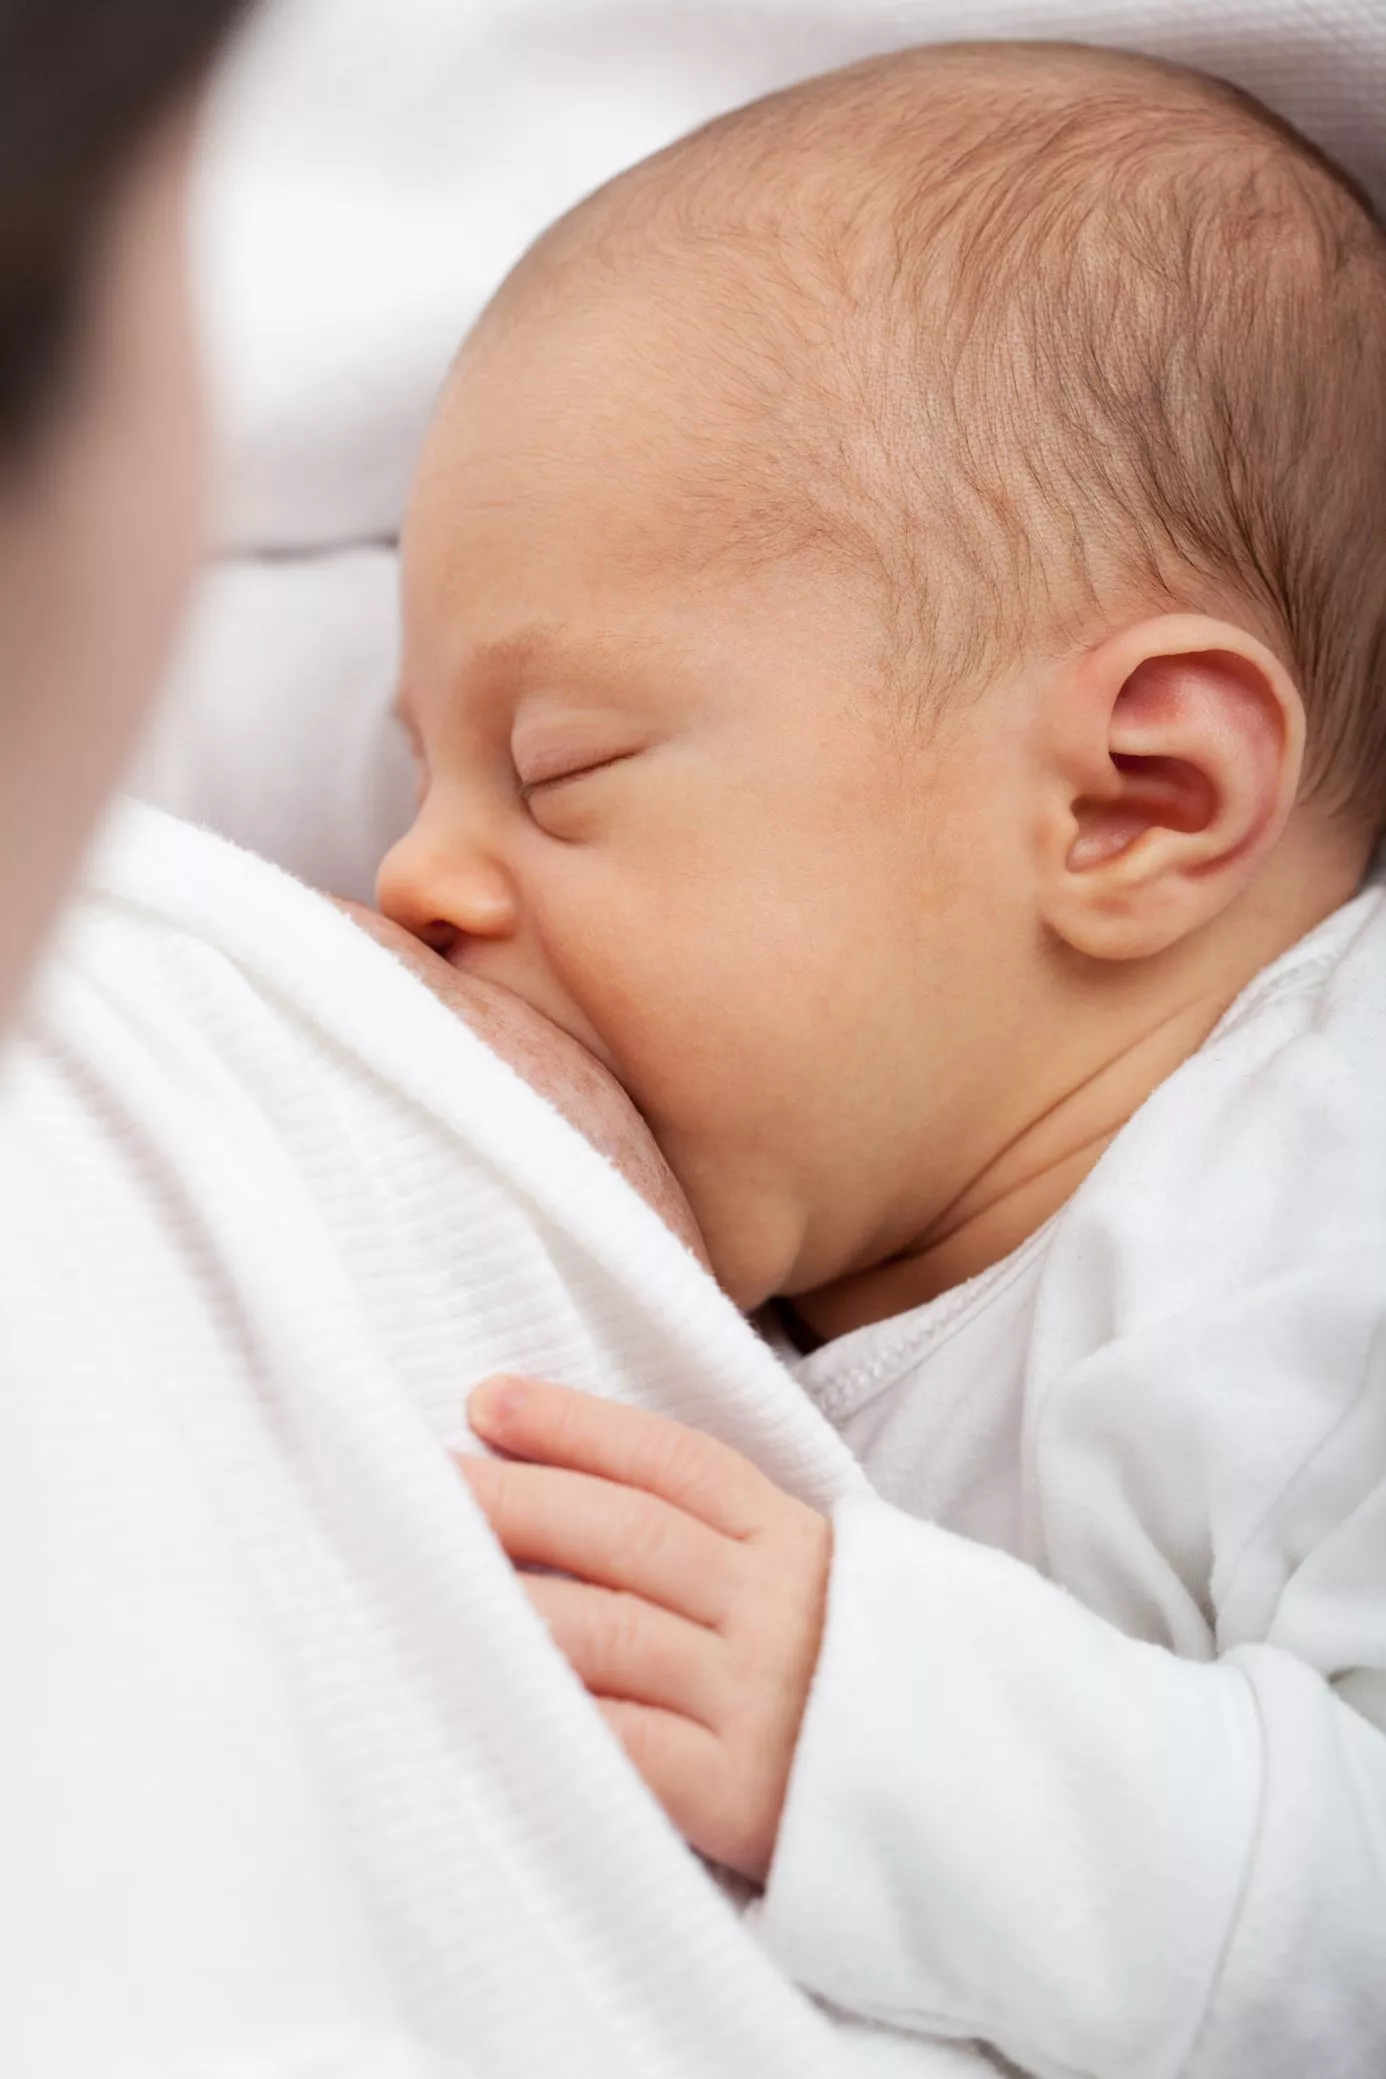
<point x="551" y="1062"/>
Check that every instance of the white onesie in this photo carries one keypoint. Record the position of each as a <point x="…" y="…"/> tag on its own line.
<point x="1094" y="1765"/>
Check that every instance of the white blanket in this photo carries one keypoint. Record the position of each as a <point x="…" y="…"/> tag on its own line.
<point x="307" y="1790"/>
<point x="374" y="168"/>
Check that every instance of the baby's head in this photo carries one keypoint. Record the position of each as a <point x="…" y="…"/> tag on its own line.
<point x="895" y="604"/>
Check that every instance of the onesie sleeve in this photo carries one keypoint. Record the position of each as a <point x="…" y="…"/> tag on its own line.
<point x="1008" y="1819"/>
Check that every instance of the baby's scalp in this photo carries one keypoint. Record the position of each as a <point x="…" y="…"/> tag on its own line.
<point x="1034" y="338"/>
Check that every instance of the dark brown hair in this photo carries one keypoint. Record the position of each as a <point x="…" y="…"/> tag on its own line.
<point x="82" y="82"/>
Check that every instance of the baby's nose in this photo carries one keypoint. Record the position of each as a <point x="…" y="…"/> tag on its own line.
<point x="445" y="891"/>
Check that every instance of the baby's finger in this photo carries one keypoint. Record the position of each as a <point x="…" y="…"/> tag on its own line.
<point x="621" y="1646"/>
<point x="535" y="1420"/>
<point x="681" y="1761"/>
<point x="615" y="1536"/>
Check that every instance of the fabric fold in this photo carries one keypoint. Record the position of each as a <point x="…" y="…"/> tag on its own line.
<point x="270" y="1212"/>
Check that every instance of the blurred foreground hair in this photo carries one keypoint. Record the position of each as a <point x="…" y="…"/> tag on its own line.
<point x="82" y="84"/>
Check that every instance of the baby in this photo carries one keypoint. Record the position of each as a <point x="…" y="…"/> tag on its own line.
<point x="896" y="647"/>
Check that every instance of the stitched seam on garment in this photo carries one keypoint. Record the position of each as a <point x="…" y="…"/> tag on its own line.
<point x="844" y="1395"/>
<point x="947" y="2025"/>
<point x="1292" y="1479"/>
<point x="1186" y="2069"/>
<point x="1304" y="981"/>
<point x="1300" y="978"/>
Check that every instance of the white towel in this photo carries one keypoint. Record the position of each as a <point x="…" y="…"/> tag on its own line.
<point x="308" y="1790"/>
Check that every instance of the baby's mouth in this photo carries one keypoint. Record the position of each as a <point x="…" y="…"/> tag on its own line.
<point x="477" y="965"/>
<point x="553" y="1059"/>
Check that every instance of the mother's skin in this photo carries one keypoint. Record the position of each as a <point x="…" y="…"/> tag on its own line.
<point x="102" y="446"/>
<point x="552" y="1063"/>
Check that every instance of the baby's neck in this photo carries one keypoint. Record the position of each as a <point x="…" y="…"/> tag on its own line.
<point x="1015" y="1188"/>
<point x="1019" y="1189"/>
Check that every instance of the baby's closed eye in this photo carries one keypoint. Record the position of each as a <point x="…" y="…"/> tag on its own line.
<point x="579" y="769"/>
<point x="555" y="756"/>
<point x="571" y="805"/>
<point x="552" y="742"/>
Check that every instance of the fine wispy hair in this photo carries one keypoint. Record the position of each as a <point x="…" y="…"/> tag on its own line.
<point x="1035" y="337"/>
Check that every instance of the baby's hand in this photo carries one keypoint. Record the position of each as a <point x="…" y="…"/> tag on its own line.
<point x="697" y="1608"/>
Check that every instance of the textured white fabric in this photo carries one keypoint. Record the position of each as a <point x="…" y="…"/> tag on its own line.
<point x="1129" y="1821"/>
<point x="376" y="167"/>
<point x="307" y="1789"/>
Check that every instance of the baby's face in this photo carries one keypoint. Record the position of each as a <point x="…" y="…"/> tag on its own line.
<point x="668" y="800"/>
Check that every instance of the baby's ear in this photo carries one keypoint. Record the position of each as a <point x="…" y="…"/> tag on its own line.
<point x="1173" y="754"/>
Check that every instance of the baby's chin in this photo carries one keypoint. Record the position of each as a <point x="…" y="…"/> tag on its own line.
<point x="744" y="1233"/>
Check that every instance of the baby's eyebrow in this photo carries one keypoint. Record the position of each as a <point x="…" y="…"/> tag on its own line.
<point x="528" y="646"/>
<point x="522" y="657"/>
<point x="541" y="649"/>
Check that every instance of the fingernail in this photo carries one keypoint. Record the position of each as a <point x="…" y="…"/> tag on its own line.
<point x="494" y="1401"/>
